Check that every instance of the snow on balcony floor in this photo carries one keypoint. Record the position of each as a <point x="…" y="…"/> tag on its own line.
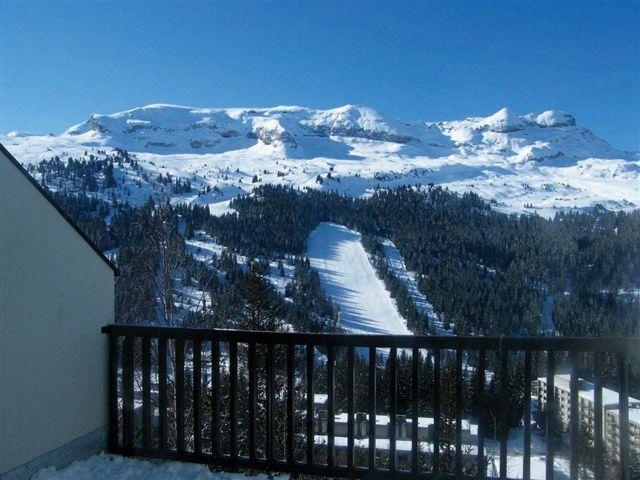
<point x="115" y="467"/>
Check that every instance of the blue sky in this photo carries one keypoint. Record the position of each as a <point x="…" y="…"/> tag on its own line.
<point x="63" y="61"/>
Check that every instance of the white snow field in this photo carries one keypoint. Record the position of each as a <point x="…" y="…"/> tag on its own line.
<point x="538" y="163"/>
<point x="348" y="277"/>
<point x="115" y="467"/>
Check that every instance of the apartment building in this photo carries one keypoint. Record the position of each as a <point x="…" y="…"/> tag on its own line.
<point x="404" y="427"/>
<point x="586" y="402"/>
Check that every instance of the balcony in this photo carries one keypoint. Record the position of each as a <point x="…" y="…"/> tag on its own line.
<point x="241" y="399"/>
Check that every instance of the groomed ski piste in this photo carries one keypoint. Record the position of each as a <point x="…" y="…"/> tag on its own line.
<point x="348" y="277"/>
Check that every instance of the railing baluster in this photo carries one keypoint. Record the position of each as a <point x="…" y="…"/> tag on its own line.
<point x="162" y="394"/>
<point x="252" y="400"/>
<point x="504" y="410"/>
<point x="623" y="400"/>
<point x="458" y="412"/>
<point x="215" y="398"/>
<point x="415" y="405"/>
<point x="330" y="405"/>
<point x="480" y="460"/>
<point x="146" y="392"/>
<point x="197" y="396"/>
<point x="270" y="404"/>
<point x="179" y="379"/>
<point x="574" y="416"/>
<point x="233" y="400"/>
<point x="598" y="419"/>
<point x="290" y="402"/>
<point x="393" y="407"/>
<point x="127" y="393"/>
<point x="122" y="362"/>
<point x="350" y="405"/>
<point x="372" y="408"/>
<point x="310" y="433"/>
<point x="113" y="392"/>
<point x="550" y="414"/>
<point x="526" y="456"/>
<point x="436" y="414"/>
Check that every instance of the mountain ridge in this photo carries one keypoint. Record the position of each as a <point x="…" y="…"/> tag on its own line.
<point x="542" y="162"/>
<point x="348" y="120"/>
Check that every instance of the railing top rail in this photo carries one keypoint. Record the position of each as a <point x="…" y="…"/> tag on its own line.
<point x="592" y="344"/>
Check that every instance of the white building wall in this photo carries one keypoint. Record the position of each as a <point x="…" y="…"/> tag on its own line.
<point x="55" y="294"/>
<point x="610" y="426"/>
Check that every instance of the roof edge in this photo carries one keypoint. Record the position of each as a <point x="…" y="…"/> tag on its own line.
<point x="64" y="214"/>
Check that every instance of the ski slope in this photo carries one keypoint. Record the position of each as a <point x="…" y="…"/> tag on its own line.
<point x="350" y="280"/>
<point x="398" y="268"/>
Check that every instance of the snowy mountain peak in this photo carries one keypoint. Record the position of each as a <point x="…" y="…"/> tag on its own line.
<point x="552" y="118"/>
<point x="503" y="121"/>
<point x="295" y="131"/>
<point x="168" y="126"/>
<point x="535" y="162"/>
<point x="17" y="134"/>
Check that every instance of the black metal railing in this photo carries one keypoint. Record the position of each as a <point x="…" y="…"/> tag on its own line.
<point x="241" y="399"/>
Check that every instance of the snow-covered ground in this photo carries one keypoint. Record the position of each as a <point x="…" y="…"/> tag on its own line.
<point x="395" y="262"/>
<point x="538" y="469"/>
<point x="547" y="326"/>
<point x="515" y="456"/>
<point x="204" y="248"/>
<point x="278" y="280"/>
<point x="524" y="163"/>
<point x="348" y="277"/>
<point x="114" y="467"/>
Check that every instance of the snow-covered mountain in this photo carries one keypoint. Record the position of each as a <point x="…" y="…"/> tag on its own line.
<point x="534" y="162"/>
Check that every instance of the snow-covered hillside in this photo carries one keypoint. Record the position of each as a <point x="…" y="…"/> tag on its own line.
<point x="346" y="275"/>
<point x="535" y="162"/>
<point x="397" y="267"/>
<point x="349" y="279"/>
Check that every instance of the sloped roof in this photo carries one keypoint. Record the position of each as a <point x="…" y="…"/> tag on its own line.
<point x="69" y="220"/>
